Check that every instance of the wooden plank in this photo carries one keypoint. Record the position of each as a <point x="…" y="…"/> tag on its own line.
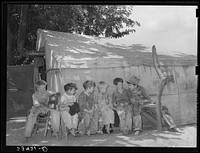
<point x="147" y="116"/>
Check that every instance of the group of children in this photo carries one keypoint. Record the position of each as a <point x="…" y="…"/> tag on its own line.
<point x="93" y="105"/>
<point x="82" y="115"/>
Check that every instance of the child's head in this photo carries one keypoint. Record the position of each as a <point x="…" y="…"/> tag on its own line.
<point x="133" y="82"/>
<point x="118" y="82"/>
<point x="89" y="86"/>
<point x="131" y="86"/>
<point x="70" y="88"/>
<point x="102" y="87"/>
<point x="40" y="86"/>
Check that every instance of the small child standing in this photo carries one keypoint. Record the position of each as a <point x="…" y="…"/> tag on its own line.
<point x="67" y="100"/>
<point x="89" y="113"/>
<point x="103" y="105"/>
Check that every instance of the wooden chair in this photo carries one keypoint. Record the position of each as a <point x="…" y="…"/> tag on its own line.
<point x="43" y="120"/>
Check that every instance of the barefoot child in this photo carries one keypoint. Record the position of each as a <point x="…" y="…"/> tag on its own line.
<point x="103" y="105"/>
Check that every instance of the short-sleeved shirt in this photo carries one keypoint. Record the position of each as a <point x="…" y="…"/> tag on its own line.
<point x="86" y="101"/>
<point x="43" y="98"/>
<point x="118" y="97"/>
<point x="66" y="99"/>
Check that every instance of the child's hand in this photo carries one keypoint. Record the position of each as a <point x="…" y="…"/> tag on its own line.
<point x="37" y="105"/>
<point x="70" y="104"/>
<point x="114" y="104"/>
<point x="141" y="102"/>
<point x="66" y="108"/>
<point x="95" y="107"/>
<point x="132" y="100"/>
<point x="90" y="111"/>
<point x="126" y="103"/>
<point x="121" y="104"/>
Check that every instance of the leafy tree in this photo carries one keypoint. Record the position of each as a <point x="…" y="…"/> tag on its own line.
<point x="95" y="20"/>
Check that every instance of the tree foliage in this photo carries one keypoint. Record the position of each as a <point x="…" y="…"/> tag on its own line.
<point x="95" y="20"/>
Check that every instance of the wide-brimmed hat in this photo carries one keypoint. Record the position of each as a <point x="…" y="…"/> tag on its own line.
<point x="133" y="80"/>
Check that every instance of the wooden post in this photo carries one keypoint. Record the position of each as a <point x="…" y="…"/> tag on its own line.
<point x="164" y="80"/>
<point x="158" y="102"/>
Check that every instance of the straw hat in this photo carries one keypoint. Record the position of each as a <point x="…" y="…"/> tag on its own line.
<point x="133" y="80"/>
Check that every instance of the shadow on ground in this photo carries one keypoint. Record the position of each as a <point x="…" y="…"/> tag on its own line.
<point x="148" y="138"/>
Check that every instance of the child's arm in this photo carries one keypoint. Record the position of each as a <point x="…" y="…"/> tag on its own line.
<point x="62" y="104"/>
<point x="108" y="99"/>
<point x="88" y="111"/>
<point x="83" y="103"/>
<point x="114" y="100"/>
<point x="146" y="99"/>
<point x="35" y="101"/>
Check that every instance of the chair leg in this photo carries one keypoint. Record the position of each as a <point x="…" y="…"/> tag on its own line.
<point x="36" y="129"/>
<point x="46" y="128"/>
<point x="47" y="125"/>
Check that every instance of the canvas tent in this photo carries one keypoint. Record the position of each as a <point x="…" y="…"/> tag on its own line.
<point x="77" y="58"/>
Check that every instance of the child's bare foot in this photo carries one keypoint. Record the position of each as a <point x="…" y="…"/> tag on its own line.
<point x="108" y="129"/>
<point x="73" y="132"/>
<point x="66" y="135"/>
<point x="100" y="132"/>
<point x="125" y="131"/>
<point x="56" y="134"/>
<point x="137" y="133"/>
<point x="88" y="133"/>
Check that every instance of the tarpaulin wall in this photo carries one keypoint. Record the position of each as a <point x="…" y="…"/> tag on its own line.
<point x="20" y="87"/>
<point x="179" y="97"/>
<point x="77" y="58"/>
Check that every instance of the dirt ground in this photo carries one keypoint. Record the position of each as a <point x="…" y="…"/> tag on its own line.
<point x="149" y="138"/>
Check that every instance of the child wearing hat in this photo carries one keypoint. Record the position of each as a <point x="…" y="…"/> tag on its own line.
<point x="40" y="105"/>
<point x="138" y="98"/>
<point x="121" y="103"/>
